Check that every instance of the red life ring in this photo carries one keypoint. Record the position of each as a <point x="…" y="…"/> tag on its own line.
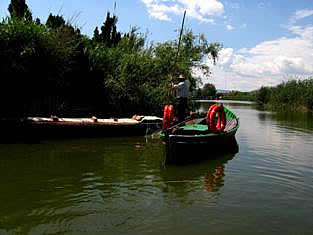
<point x="216" y="125"/>
<point x="208" y="120"/>
<point x="164" y="122"/>
<point x="168" y="116"/>
<point x="208" y="113"/>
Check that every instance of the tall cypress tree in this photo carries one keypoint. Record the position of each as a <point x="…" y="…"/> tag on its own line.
<point x="96" y="35"/>
<point x="55" y="21"/>
<point x="109" y="34"/>
<point x="19" y="9"/>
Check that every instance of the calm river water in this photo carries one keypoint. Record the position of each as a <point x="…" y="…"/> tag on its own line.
<point x="120" y="185"/>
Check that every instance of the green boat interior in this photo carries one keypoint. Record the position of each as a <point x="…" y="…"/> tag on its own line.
<point x="199" y="126"/>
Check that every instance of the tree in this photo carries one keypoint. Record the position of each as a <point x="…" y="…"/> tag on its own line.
<point x="19" y="9"/>
<point x="55" y="21"/>
<point x="263" y="95"/>
<point x="192" y="54"/>
<point x="132" y="41"/>
<point x="208" y="90"/>
<point x="58" y="23"/>
<point x="109" y="34"/>
<point x="212" y="50"/>
<point x="37" y="21"/>
<point x="96" y="35"/>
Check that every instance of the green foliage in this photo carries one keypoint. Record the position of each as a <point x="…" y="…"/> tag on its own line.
<point x="34" y="62"/>
<point x="294" y="94"/>
<point x="131" y="76"/>
<point x="242" y="96"/>
<point x="19" y="9"/>
<point x="37" y="21"/>
<point x="96" y="35"/>
<point x="263" y="95"/>
<point x="23" y="46"/>
<point x="55" y="21"/>
<point x="137" y="79"/>
<point x="109" y="74"/>
<point x="207" y="92"/>
<point x="193" y="51"/>
<point x="109" y="34"/>
<point x="132" y="41"/>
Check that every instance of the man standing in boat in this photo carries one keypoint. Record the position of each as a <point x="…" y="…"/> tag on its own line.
<point x="182" y="91"/>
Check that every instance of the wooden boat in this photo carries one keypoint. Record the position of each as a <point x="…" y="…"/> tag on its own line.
<point x="137" y="125"/>
<point x="38" y="128"/>
<point x="195" y="138"/>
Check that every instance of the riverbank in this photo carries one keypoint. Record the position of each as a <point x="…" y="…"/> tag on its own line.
<point x="54" y="69"/>
<point x="294" y="95"/>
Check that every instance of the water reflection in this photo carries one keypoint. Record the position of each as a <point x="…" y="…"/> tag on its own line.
<point x="59" y="182"/>
<point x="180" y="181"/>
<point x="41" y="183"/>
<point x="214" y="181"/>
<point x="263" y="115"/>
<point x="295" y="120"/>
<point x="185" y="154"/>
<point x="120" y="186"/>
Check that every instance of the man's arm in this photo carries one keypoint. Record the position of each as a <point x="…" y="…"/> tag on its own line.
<point x="178" y="85"/>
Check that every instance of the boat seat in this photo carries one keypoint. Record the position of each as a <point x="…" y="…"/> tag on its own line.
<point x="193" y="129"/>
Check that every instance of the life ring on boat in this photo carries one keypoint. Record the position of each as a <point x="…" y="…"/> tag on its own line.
<point x="216" y="124"/>
<point x="209" y="113"/>
<point x="168" y="116"/>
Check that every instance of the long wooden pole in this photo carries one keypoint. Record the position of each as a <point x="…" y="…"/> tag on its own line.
<point x="177" y="53"/>
<point x="180" y="35"/>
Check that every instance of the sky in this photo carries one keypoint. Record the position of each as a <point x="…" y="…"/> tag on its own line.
<point x="265" y="42"/>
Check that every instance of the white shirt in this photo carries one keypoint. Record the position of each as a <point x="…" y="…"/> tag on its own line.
<point x="182" y="88"/>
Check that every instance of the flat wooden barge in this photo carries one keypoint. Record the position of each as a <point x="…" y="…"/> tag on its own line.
<point x="54" y="127"/>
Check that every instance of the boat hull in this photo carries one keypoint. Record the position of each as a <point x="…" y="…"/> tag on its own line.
<point x="193" y="140"/>
<point x="184" y="149"/>
<point x="36" y="129"/>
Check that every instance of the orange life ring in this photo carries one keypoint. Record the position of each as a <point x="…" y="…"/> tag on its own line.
<point x="216" y="125"/>
<point x="168" y="116"/>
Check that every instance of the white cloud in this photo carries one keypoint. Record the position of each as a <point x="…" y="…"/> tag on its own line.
<point x="226" y="56"/>
<point x="230" y="27"/>
<point x="202" y="10"/>
<point x="268" y="63"/>
<point x="304" y="32"/>
<point x="302" y="14"/>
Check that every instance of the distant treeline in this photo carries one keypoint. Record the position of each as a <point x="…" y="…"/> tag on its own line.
<point x="207" y="92"/>
<point x="51" y="68"/>
<point x="291" y="95"/>
<point x="240" y="95"/>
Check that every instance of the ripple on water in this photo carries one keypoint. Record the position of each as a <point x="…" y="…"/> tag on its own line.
<point x="119" y="186"/>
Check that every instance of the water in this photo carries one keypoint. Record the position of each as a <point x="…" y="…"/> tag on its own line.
<point x="120" y="185"/>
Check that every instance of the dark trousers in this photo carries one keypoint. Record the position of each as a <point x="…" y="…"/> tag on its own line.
<point x="181" y="109"/>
